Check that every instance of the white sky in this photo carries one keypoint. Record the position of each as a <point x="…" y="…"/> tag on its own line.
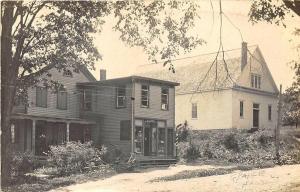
<point x="274" y="42"/>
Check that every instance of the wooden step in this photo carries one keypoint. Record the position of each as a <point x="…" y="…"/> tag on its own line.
<point x="156" y="162"/>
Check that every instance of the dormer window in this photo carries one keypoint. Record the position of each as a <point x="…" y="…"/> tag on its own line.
<point x="255" y="81"/>
<point x="67" y="73"/>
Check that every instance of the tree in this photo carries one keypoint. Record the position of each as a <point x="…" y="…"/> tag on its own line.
<point x="291" y="115"/>
<point x="273" y="11"/>
<point x="41" y="35"/>
<point x="270" y="11"/>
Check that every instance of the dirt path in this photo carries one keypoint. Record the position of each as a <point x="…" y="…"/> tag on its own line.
<point x="284" y="178"/>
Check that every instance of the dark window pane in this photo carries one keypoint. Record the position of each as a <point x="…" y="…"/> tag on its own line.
<point x="270" y="112"/>
<point x="125" y="130"/>
<point x="121" y="97"/>
<point x="41" y="97"/>
<point x="62" y="100"/>
<point x="241" y="109"/>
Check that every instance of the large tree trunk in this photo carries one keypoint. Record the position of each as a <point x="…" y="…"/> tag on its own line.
<point x="8" y="80"/>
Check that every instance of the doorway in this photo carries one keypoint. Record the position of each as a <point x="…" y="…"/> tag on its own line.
<point x="150" y="138"/>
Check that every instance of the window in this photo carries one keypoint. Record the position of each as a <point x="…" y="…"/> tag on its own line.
<point x="145" y="96"/>
<point x="62" y="99"/>
<point x="194" y="111"/>
<point x="255" y="106"/>
<point x="87" y="100"/>
<point x="270" y="112"/>
<point x="67" y="73"/>
<point x="138" y="139"/>
<point x="241" y="109"/>
<point x="256" y="81"/>
<point x="121" y="97"/>
<point x="125" y="130"/>
<point x="164" y="98"/>
<point x="13" y="133"/>
<point x="41" y="97"/>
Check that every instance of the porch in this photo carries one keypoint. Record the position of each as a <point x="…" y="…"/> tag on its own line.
<point x="36" y="134"/>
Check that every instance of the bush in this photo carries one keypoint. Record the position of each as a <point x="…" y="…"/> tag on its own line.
<point x="230" y="142"/>
<point x="239" y="146"/>
<point x="182" y="132"/>
<point x="188" y="151"/>
<point x="74" y="157"/>
<point x="22" y="163"/>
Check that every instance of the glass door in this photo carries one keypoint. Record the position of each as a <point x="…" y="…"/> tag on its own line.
<point x="150" y="137"/>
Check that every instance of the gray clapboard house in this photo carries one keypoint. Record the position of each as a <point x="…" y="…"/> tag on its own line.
<point x="51" y="117"/>
<point x="135" y="114"/>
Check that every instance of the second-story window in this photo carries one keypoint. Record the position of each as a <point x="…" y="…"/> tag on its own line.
<point x="67" y="73"/>
<point x="62" y="99"/>
<point x="87" y="100"/>
<point x="121" y="97"/>
<point x="255" y="81"/>
<point x="164" y="98"/>
<point x="41" y="97"/>
<point x="145" y="96"/>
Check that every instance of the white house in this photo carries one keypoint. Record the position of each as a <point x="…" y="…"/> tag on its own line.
<point x="237" y="92"/>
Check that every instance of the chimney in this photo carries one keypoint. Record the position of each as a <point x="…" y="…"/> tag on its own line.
<point x="102" y="74"/>
<point x="244" y="55"/>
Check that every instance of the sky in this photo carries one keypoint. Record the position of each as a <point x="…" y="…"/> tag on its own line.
<point x="274" y="41"/>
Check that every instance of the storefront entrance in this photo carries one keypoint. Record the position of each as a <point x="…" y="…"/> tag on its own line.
<point x="153" y="138"/>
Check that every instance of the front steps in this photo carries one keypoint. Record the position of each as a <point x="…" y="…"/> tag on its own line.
<point x="147" y="163"/>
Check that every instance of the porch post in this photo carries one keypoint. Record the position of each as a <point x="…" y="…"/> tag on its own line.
<point x="33" y="137"/>
<point x="68" y="132"/>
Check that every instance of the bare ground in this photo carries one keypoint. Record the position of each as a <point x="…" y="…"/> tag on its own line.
<point x="279" y="178"/>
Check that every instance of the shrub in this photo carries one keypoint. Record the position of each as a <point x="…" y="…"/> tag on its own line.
<point x="182" y="132"/>
<point x="188" y="151"/>
<point x="22" y="163"/>
<point x="230" y="142"/>
<point x="238" y="146"/>
<point x="75" y="157"/>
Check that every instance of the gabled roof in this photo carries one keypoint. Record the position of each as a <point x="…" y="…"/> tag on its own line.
<point x="128" y="79"/>
<point x="87" y="73"/>
<point x="197" y="74"/>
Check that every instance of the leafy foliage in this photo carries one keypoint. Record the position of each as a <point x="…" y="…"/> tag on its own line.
<point x="74" y="157"/>
<point x="255" y="149"/>
<point x="23" y="163"/>
<point x="182" y="132"/>
<point x="291" y="114"/>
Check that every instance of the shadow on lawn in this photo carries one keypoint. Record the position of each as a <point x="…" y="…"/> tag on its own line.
<point x="188" y="174"/>
<point x="36" y="184"/>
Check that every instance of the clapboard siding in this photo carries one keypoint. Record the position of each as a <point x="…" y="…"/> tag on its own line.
<point x="108" y="117"/>
<point x="51" y="109"/>
<point x="154" y="111"/>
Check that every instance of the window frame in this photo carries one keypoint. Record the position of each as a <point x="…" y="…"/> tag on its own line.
<point x="57" y="99"/>
<point x="167" y="98"/>
<point x="118" y="106"/>
<point x="256" y="81"/>
<point x="194" y="111"/>
<point x="241" y="109"/>
<point x="67" y="73"/>
<point x="85" y="101"/>
<point x="270" y="112"/>
<point x="37" y="104"/>
<point x="147" y="96"/>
